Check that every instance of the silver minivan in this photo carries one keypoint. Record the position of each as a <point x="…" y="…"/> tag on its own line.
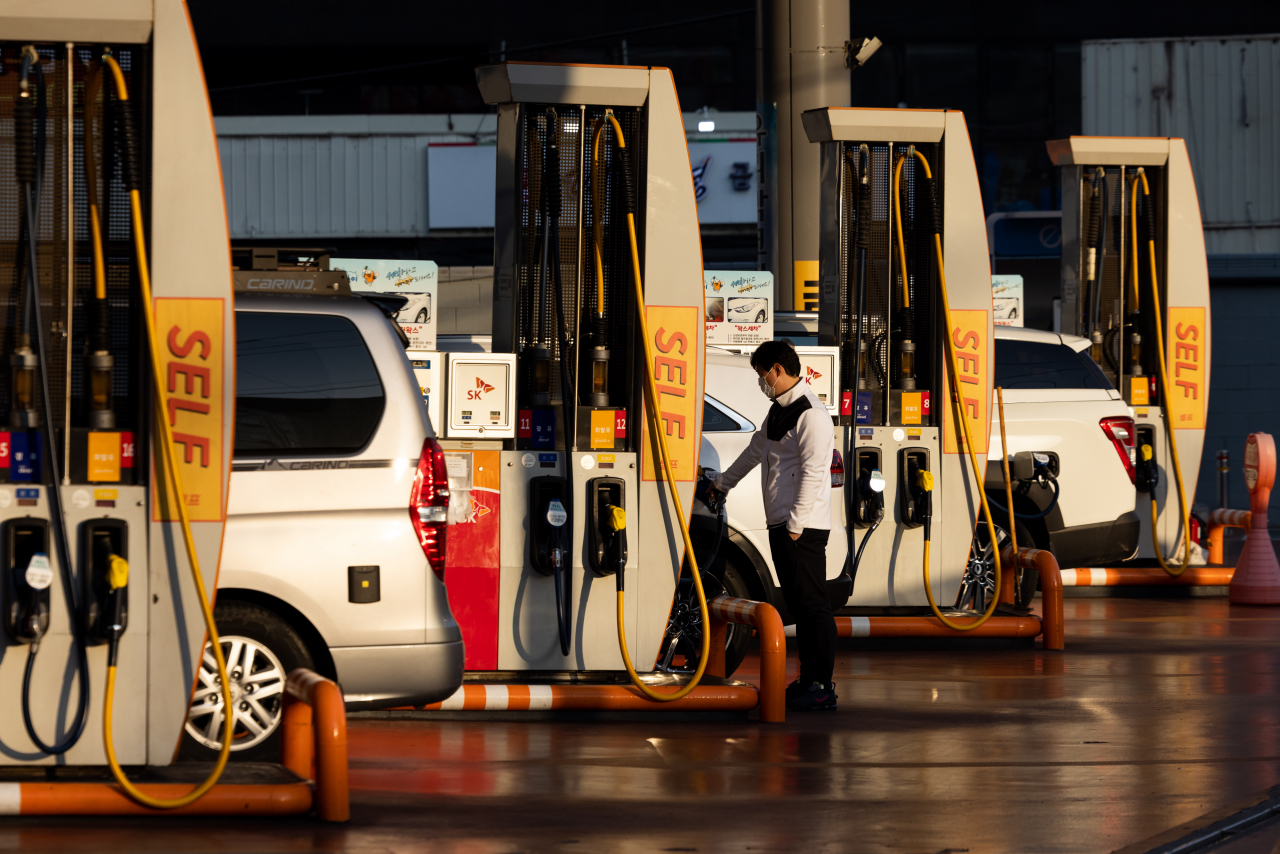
<point x="333" y="556"/>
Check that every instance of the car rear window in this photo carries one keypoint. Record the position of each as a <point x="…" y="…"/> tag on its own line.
<point x="1036" y="364"/>
<point x="716" y="421"/>
<point x="305" y="384"/>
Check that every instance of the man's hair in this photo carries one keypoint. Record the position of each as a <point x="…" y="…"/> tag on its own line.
<point x="772" y="353"/>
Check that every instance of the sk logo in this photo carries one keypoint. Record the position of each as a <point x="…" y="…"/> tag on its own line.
<point x="810" y="374"/>
<point x="479" y="391"/>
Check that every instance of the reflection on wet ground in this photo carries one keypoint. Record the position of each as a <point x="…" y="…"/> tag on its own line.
<point x="1158" y="712"/>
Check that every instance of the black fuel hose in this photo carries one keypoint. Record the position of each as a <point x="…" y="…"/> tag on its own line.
<point x="29" y="165"/>
<point x="1026" y="516"/>
<point x="551" y="195"/>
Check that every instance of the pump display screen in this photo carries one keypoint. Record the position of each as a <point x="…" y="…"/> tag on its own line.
<point x="1038" y="364"/>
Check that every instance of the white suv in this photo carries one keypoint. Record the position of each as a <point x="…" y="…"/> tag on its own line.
<point x="1058" y="403"/>
<point x="333" y="524"/>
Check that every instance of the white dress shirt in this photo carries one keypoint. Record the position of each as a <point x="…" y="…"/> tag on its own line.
<point x="795" y="470"/>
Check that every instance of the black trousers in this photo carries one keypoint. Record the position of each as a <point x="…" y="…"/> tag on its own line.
<point x="802" y="574"/>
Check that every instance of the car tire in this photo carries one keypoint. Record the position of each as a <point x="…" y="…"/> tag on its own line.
<point x="760" y="316"/>
<point x="277" y="649"/>
<point x="422" y="315"/>
<point x="737" y="636"/>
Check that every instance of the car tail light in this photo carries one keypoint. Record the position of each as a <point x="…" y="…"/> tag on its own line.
<point x="429" y="505"/>
<point x="1120" y="431"/>
<point x="1197" y="532"/>
<point x="837" y="470"/>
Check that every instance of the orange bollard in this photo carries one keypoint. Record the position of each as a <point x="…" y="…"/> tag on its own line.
<point x="1046" y="564"/>
<point x="332" y="800"/>
<point x="1219" y="521"/>
<point x="1257" y="577"/>
<point x="297" y="739"/>
<point x="773" y="649"/>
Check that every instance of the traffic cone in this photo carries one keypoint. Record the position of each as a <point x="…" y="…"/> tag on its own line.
<point x="1257" y="577"/>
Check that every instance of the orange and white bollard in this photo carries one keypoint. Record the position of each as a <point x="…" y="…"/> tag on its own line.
<point x="1257" y="577"/>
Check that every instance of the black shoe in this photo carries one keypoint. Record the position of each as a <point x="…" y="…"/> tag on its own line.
<point x="795" y="689"/>
<point x="817" y="697"/>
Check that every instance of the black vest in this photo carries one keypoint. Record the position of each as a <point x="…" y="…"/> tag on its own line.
<point x="782" y="418"/>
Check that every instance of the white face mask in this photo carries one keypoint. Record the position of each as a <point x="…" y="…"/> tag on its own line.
<point x="767" y="389"/>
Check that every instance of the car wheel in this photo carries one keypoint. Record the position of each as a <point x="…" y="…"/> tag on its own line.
<point x="760" y="316"/>
<point x="260" y="650"/>
<point x="422" y="315"/>
<point x="978" y="584"/>
<point x="684" y="626"/>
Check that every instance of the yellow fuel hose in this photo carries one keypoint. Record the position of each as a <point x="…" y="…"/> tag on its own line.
<point x="1164" y="389"/>
<point x="1133" y="218"/>
<point x="597" y="205"/>
<point x="655" y="427"/>
<point x="897" y="215"/>
<point x="957" y="402"/>
<point x="175" y="480"/>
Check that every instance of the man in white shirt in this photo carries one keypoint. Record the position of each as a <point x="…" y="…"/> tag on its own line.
<point x="793" y="449"/>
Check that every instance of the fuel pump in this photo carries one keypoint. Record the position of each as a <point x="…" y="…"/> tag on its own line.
<point x="143" y="374"/>
<point x="1156" y="291"/>
<point x="598" y="294"/>
<point x="901" y="219"/>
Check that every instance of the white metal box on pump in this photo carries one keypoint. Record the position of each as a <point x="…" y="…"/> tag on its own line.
<point x="481" y="392"/>
<point x="899" y="190"/>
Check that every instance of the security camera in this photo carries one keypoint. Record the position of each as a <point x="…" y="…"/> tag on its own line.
<point x="857" y="53"/>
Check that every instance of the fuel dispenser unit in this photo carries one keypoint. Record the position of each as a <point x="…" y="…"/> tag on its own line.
<point x="598" y="299"/>
<point x="115" y="469"/>
<point x="1135" y="280"/>
<point x="905" y="296"/>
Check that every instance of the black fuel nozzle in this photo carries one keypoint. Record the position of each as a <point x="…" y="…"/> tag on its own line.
<point x="1147" y="474"/>
<point x="870" y="500"/>
<point x="705" y="491"/>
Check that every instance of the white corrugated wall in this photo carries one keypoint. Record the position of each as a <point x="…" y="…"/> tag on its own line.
<point x="325" y="186"/>
<point x="1222" y="95"/>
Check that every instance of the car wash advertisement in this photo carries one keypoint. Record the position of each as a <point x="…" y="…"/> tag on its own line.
<point x="739" y="306"/>
<point x="1006" y="299"/>
<point x="417" y="280"/>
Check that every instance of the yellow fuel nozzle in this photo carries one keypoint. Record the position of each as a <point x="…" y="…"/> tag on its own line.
<point x="616" y="518"/>
<point x="924" y="480"/>
<point x="1146" y="453"/>
<point x="118" y="572"/>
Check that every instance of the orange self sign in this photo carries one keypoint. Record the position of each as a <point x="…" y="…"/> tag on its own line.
<point x="1188" y="343"/>
<point x="673" y="340"/>
<point x="191" y="354"/>
<point x="969" y="335"/>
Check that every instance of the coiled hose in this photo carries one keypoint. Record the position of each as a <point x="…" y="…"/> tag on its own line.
<point x="931" y="198"/>
<point x="30" y="123"/>
<point x="1150" y="227"/>
<point x="656" y="429"/>
<point x="132" y="174"/>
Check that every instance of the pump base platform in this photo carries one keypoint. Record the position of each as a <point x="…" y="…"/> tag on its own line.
<point x="532" y="692"/>
<point x="1148" y="573"/>
<point x="245" y="788"/>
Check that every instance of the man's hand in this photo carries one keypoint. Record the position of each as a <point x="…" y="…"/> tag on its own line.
<point x="794" y="537"/>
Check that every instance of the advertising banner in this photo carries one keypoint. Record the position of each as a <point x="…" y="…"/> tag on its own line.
<point x="417" y="280"/>
<point x="739" y="306"/>
<point x="1006" y="298"/>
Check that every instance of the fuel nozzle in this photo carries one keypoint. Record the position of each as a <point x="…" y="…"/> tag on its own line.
<point x="924" y="498"/>
<point x="1147" y="476"/>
